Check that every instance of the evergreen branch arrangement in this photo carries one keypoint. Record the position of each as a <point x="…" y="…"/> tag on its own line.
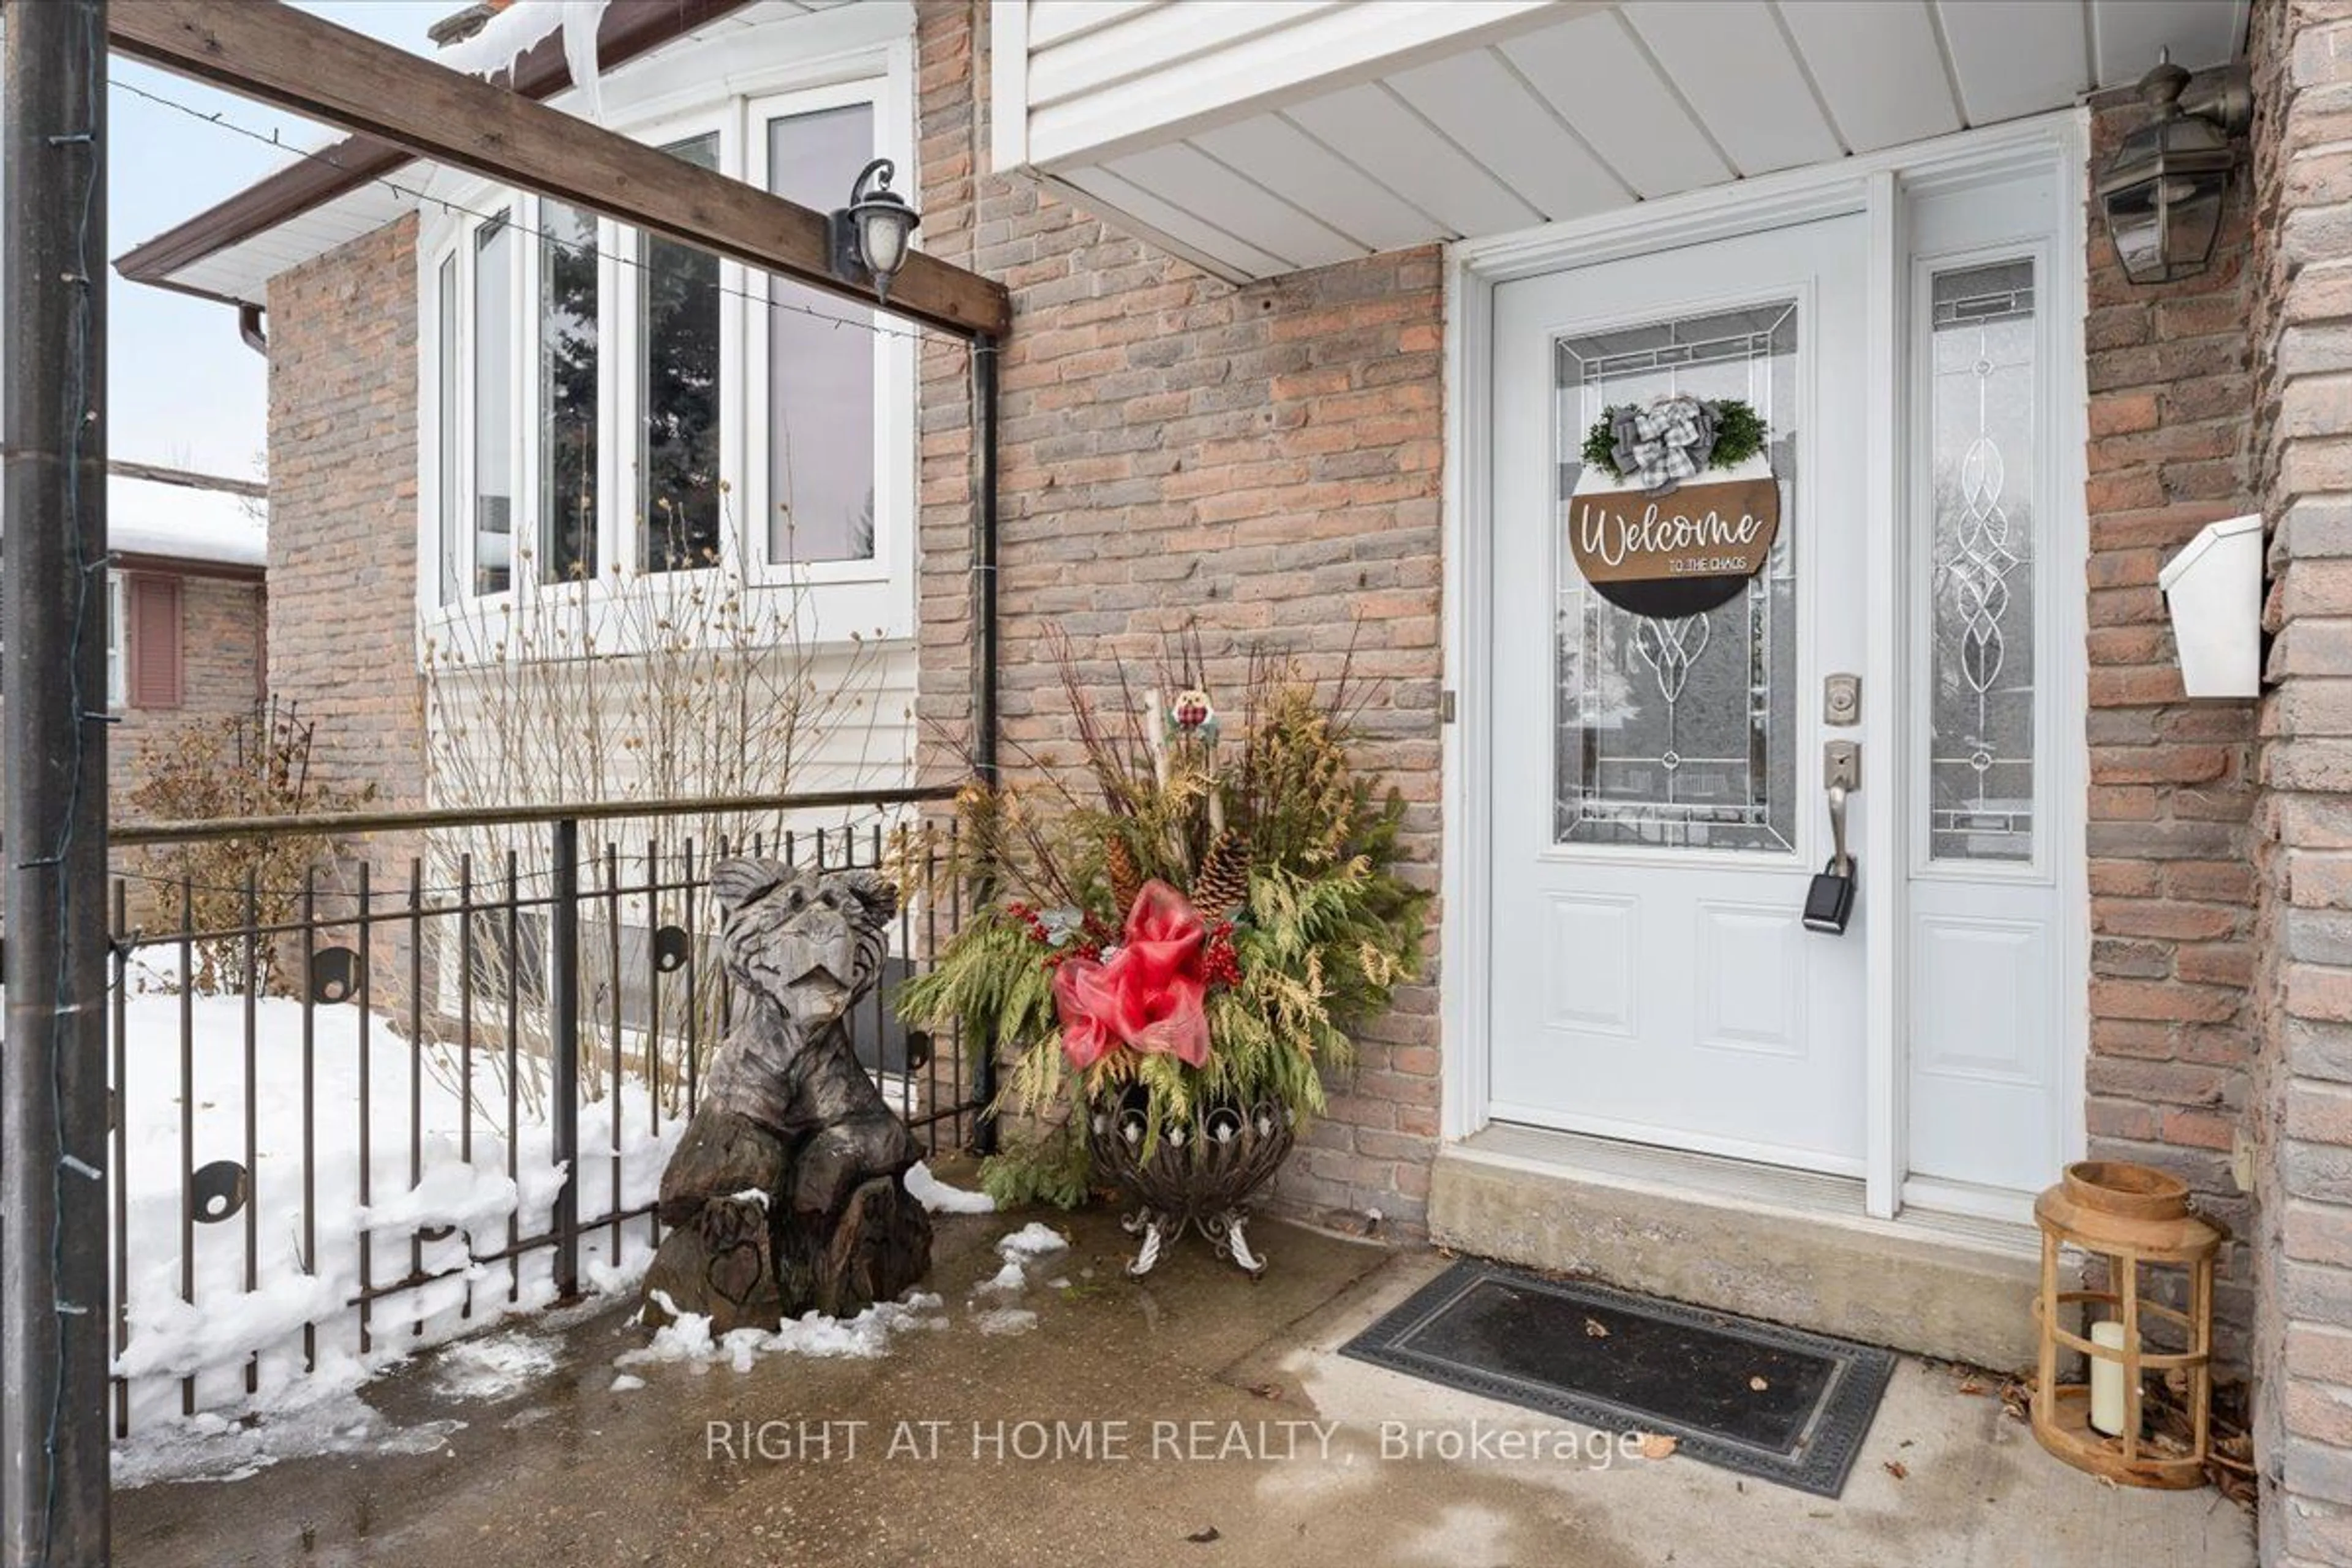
<point x="1739" y="435"/>
<point x="1280" y="858"/>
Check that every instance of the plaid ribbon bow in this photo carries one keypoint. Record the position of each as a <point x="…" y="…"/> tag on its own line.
<point x="1664" y="444"/>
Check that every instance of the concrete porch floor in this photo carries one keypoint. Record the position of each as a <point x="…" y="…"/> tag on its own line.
<point x="564" y="1469"/>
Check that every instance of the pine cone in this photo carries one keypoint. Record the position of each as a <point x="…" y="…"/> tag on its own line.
<point x="1223" y="885"/>
<point x="1125" y="884"/>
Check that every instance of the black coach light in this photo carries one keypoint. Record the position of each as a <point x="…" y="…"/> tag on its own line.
<point x="2164" y="190"/>
<point x="870" y="234"/>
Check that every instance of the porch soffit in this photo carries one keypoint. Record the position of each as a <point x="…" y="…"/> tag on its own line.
<point x="1531" y="116"/>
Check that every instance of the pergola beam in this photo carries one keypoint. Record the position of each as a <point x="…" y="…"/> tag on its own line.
<point x="271" y="52"/>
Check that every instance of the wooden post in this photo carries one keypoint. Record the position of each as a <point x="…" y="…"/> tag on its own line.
<point x="53" y="1164"/>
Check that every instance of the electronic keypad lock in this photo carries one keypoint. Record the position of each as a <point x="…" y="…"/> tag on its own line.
<point x="1829" y="899"/>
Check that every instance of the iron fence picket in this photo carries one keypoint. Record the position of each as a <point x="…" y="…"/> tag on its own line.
<point x="657" y="1025"/>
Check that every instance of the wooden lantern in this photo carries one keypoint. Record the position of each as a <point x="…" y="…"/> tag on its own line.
<point x="2138" y="1220"/>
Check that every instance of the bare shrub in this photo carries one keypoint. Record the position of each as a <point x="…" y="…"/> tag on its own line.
<point x="244" y="765"/>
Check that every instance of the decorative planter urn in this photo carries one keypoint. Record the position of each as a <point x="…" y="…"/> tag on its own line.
<point x="1201" y="1173"/>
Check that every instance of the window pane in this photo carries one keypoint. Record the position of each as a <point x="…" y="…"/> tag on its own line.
<point x="1680" y="733"/>
<point x="493" y="405"/>
<point x="678" y="457"/>
<point x="448" y="433"/>
<point x="1983" y="467"/>
<point x="820" y="376"/>
<point x="567" y="388"/>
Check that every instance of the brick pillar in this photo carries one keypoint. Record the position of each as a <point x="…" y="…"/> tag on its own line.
<point x="2302" y="176"/>
<point x="2172" y="787"/>
<point x="1253" y="466"/>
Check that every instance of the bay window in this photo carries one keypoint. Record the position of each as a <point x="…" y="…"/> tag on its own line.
<point x="607" y="407"/>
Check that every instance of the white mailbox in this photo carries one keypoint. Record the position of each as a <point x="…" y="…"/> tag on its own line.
<point x="2214" y="590"/>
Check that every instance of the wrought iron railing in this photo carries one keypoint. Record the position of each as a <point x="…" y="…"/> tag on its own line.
<point x="435" y="1081"/>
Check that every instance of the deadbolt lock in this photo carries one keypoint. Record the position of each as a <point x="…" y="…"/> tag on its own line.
<point x="1842" y="699"/>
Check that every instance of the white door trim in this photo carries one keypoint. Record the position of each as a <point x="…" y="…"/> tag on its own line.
<point x="1873" y="185"/>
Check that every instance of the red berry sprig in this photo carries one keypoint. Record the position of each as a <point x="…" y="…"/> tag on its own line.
<point x="1030" y="919"/>
<point x="1220" y="964"/>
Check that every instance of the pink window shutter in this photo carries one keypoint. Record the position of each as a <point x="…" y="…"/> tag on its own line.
<point x="156" y="638"/>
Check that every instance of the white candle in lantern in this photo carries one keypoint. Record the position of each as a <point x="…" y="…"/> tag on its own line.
<point x="2107" y="1380"/>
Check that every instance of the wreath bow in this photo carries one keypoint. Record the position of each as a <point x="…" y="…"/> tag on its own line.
<point x="1149" y="994"/>
<point x="1662" y="444"/>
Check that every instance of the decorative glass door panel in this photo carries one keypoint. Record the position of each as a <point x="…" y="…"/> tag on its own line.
<point x="1981" y="452"/>
<point x="1681" y="732"/>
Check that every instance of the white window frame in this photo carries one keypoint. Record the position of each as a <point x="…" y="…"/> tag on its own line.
<point x="861" y="54"/>
<point x="890" y="570"/>
<point x="118" y="644"/>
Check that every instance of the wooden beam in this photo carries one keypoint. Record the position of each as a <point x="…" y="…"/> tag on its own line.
<point x="630" y="29"/>
<point x="267" y="50"/>
<point x="253" y="489"/>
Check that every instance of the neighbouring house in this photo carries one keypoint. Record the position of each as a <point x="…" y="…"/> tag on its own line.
<point x="187" y="608"/>
<point x="1317" y="310"/>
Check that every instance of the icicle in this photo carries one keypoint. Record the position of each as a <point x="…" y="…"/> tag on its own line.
<point x="581" y="19"/>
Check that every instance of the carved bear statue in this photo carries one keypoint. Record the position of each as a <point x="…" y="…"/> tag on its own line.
<point x="785" y="1194"/>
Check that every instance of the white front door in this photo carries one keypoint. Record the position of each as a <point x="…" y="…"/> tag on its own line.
<point x="1654" y="780"/>
<point x="1658" y="802"/>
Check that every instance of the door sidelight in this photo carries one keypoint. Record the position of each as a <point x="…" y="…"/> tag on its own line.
<point x="1829" y="899"/>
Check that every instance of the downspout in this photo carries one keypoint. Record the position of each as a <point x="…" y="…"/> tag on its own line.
<point x="983" y="674"/>
<point x="983" y="562"/>
<point x="248" y="327"/>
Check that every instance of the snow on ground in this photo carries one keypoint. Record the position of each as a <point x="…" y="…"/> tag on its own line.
<point x="940" y="1198"/>
<point x="1033" y="1240"/>
<point x="431" y="1217"/>
<point x="1005" y="1321"/>
<point x="494" y="1365"/>
<point x="317" y="1414"/>
<point x="688" y="1338"/>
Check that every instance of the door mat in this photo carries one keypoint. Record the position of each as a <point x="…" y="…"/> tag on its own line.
<point x="1781" y="1404"/>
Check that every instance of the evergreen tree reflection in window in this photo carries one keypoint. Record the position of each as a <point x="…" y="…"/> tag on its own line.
<point x="678" y="456"/>
<point x="567" y="379"/>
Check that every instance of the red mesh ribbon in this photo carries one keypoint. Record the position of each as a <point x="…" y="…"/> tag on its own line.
<point x="1148" y="994"/>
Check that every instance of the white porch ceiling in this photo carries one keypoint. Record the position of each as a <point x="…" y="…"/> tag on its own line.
<point x="1554" y="113"/>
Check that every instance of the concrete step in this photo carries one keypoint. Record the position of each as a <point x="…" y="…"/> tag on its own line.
<point x="1787" y="1247"/>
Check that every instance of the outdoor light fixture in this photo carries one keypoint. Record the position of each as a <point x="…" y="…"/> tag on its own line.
<point x="870" y="234"/>
<point x="2163" y="191"/>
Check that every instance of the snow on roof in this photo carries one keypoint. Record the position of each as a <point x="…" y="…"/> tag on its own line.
<point x="149" y="517"/>
<point x="495" y="45"/>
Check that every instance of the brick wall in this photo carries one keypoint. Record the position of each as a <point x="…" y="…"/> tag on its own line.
<point x="1259" y="465"/>
<point x="2303" y="290"/>
<point x="221" y="629"/>
<point x="342" y="520"/>
<point x="2172" y="782"/>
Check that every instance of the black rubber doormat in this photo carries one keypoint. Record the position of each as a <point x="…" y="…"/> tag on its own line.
<point x="1781" y="1404"/>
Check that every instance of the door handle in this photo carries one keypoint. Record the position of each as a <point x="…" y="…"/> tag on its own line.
<point x="1841" y="862"/>
<point x="1829" y="899"/>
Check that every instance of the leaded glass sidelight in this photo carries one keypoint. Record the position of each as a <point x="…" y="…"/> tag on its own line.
<point x="1679" y="733"/>
<point x="1982" y="470"/>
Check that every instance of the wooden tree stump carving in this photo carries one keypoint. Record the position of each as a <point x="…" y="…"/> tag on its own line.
<point x="785" y="1195"/>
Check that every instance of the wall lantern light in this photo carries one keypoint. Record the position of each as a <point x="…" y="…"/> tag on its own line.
<point x="870" y="234"/>
<point x="2155" y="1316"/>
<point x="2163" y="191"/>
